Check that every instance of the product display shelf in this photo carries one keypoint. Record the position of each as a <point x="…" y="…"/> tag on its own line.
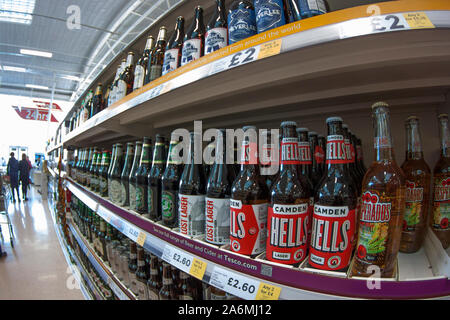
<point x="340" y="61"/>
<point x="119" y="289"/>
<point x="416" y="277"/>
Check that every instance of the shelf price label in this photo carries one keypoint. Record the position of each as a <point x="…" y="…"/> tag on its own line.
<point x="178" y="258"/>
<point x="228" y="281"/>
<point x="198" y="268"/>
<point x="269" y="49"/>
<point x="418" y="20"/>
<point x="268" y="292"/>
<point x="141" y="238"/>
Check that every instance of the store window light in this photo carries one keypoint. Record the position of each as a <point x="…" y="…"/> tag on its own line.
<point x="17" y="11"/>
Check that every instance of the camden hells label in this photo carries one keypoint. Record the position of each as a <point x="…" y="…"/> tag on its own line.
<point x="249" y="153"/>
<point x="287" y="226"/>
<point x="319" y="154"/>
<point x="373" y="228"/>
<point x="304" y="152"/>
<point x="289" y="151"/>
<point x="441" y="203"/>
<point x="413" y="206"/>
<point x="217" y="221"/>
<point x="348" y="149"/>
<point x="336" y="150"/>
<point x="332" y="232"/>
<point x="191" y="214"/>
<point x="248" y="227"/>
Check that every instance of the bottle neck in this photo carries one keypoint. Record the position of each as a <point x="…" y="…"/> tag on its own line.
<point x="383" y="139"/>
<point x="414" y="142"/>
<point x="445" y="137"/>
<point x="289" y="155"/>
<point x="158" y="154"/>
<point x="179" y="31"/>
<point x="145" y="155"/>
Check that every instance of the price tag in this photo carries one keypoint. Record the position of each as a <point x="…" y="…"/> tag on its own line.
<point x="198" y="268"/>
<point x="418" y="20"/>
<point x="242" y="57"/>
<point x="268" y="292"/>
<point x="228" y="281"/>
<point x="141" y="238"/>
<point x="179" y="259"/>
<point x="269" y="49"/>
<point x="390" y="22"/>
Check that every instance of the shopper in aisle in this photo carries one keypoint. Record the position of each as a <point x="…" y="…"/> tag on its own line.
<point x="13" y="172"/>
<point x="24" y="168"/>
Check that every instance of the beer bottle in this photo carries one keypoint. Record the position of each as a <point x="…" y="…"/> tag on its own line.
<point x="289" y="209"/>
<point x="172" y="56"/>
<point x="441" y="182"/>
<point x="91" y="179"/>
<point x="241" y="20"/>
<point x="113" y="160"/>
<point x="350" y="156"/>
<point x="194" y="40"/>
<point x="154" y="283"/>
<point x="360" y="157"/>
<point x="311" y="8"/>
<point x="217" y="29"/>
<point x="87" y="107"/>
<point x="209" y="163"/>
<point x="304" y="156"/>
<point x="132" y="177"/>
<point x="95" y="180"/>
<point x="316" y="170"/>
<point x="270" y="14"/>
<point x="218" y="194"/>
<point x="141" y="178"/>
<point x="113" y="94"/>
<point x="141" y="275"/>
<point x="268" y="152"/>
<point x="132" y="267"/>
<point x="167" y="291"/>
<point x="176" y="281"/>
<point x="80" y="165"/>
<point x="141" y="71"/>
<point x="102" y="239"/>
<point x="116" y="189"/>
<point x="335" y="201"/>
<point x="293" y="11"/>
<point x="358" y="169"/>
<point x="103" y="173"/>
<point x="97" y="100"/>
<point x="383" y="204"/>
<point x="126" y="80"/>
<point x="86" y="177"/>
<point x="191" y="197"/>
<point x="249" y="201"/>
<point x="418" y="183"/>
<point x="170" y="183"/>
<point x="319" y="153"/>
<point x="187" y="291"/>
<point x="154" y="179"/>
<point x="125" y="176"/>
<point x="157" y="61"/>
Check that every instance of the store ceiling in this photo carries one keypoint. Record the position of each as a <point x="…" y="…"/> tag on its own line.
<point x="79" y="52"/>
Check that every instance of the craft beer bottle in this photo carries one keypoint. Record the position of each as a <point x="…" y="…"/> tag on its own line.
<point x="241" y="20"/>
<point x="154" y="283"/>
<point x="194" y="40"/>
<point x="268" y="152"/>
<point x="90" y="171"/>
<point x="142" y="275"/>
<point x="187" y="291"/>
<point x="116" y="190"/>
<point x="126" y="80"/>
<point x="132" y="267"/>
<point x="383" y="204"/>
<point x="289" y="209"/>
<point x="125" y="176"/>
<point x="172" y="56"/>
<point x="269" y="14"/>
<point x="154" y="179"/>
<point x="167" y="291"/>
<point x="103" y="174"/>
<point x="86" y="175"/>
<point x="249" y="201"/>
<point x="418" y="184"/>
<point x="334" y="217"/>
<point x="191" y="197"/>
<point x="113" y="159"/>
<point x="304" y="156"/>
<point x="157" y="61"/>
<point x="316" y="170"/>
<point x="97" y="100"/>
<point x="141" y="70"/>
<point x="96" y="174"/>
<point x="441" y="182"/>
<point x="217" y="29"/>
<point x="141" y="178"/>
<point x="132" y="177"/>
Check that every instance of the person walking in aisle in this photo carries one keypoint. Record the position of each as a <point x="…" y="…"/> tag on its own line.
<point x="12" y="171"/>
<point x="24" y="168"/>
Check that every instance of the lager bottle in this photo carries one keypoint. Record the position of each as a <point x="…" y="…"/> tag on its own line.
<point x="141" y="70"/>
<point x="311" y="8"/>
<point x="418" y="183"/>
<point x="316" y="170"/>
<point x="172" y="56"/>
<point x="85" y="177"/>
<point x="383" y="204"/>
<point x="335" y="201"/>
<point x="116" y="190"/>
<point x="125" y="176"/>
<point x="113" y="94"/>
<point x="194" y="40"/>
<point x="87" y="113"/>
<point x="157" y="61"/>
<point x="103" y="173"/>
<point x="113" y="159"/>
<point x="441" y="182"/>
<point x="132" y="267"/>
<point x="218" y="194"/>
<point x="132" y="177"/>
<point x="289" y="209"/>
<point x="187" y="291"/>
<point x="142" y="275"/>
<point x="216" y="36"/>
<point x="141" y="178"/>
<point x="360" y="157"/>
<point x="154" y="179"/>
<point x="319" y="153"/>
<point x="91" y="178"/>
<point x="102" y="239"/>
<point x="191" y="197"/>
<point x="97" y="100"/>
<point x="167" y="291"/>
<point x="304" y="156"/>
<point x="241" y="20"/>
<point x="268" y="152"/>
<point x="95" y="180"/>
<point x="154" y="283"/>
<point x="126" y="80"/>
<point x="80" y="166"/>
<point x="77" y="170"/>
<point x="269" y="14"/>
<point x="209" y="163"/>
<point x="249" y="202"/>
<point x="170" y="183"/>
<point x="350" y="158"/>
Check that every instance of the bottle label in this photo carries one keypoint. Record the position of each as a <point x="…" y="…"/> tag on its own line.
<point x="248" y="227"/>
<point x="332" y="231"/>
<point x="142" y="290"/>
<point x="304" y="151"/>
<point x="139" y="75"/>
<point x="103" y="185"/>
<point x="116" y="190"/>
<point x="217" y="221"/>
<point x="123" y="194"/>
<point x="382" y="143"/>
<point x="441" y="203"/>
<point x="155" y="72"/>
<point x="414" y="207"/>
<point x="132" y="191"/>
<point x="319" y="155"/>
<point x="289" y="151"/>
<point x="249" y="153"/>
<point x="121" y="89"/>
<point x="216" y="39"/>
<point x="312" y="7"/>
<point x="151" y="200"/>
<point x="352" y="154"/>
<point x="170" y="60"/>
<point x="140" y="201"/>
<point x="269" y="14"/>
<point x="348" y="150"/>
<point x="336" y="150"/>
<point x="192" y="49"/>
<point x="168" y="205"/>
<point x="241" y="24"/>
<point x="287" y="226"/>
<point x="191" y="211"/>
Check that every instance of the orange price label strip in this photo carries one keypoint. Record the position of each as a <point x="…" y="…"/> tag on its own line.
<point x="198" y="268"/>
<point x="268" y="292"/>
<point x="269" y="49"/>
<point x="418" y="20"/>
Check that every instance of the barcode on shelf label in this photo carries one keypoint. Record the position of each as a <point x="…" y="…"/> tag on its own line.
<point x="235" y="284"/>
<point x="178" y="258"/>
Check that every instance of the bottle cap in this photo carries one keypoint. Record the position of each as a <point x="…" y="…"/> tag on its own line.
<point x="334" y="119"/>
<point x="443" y="115"/>
<point x="380" y="104"/>
<point x="288" y="123"/>
<point x="345" y="126"/>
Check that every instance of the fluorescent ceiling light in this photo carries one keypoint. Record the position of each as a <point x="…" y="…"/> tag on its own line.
<point x="36" y="53"/>
<point x="14" y="69"/>
<point x="34" y="86"/>
<point x="17" y="11"/>
<point x="73" y="78"/>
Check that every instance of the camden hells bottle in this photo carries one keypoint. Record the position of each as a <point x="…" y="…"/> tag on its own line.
<point x="383" y="204"/>
<point x="418" y="184"/>
<point x="319" y="152"/>
<point x="289" y="209"/>
<point x="249" y="202"/>
<point x="172" y="56"/>
<point x="316" y="170"/>
<point x="217" y="29"/>
<point x="194" y="40"/>
<point x="441" y="180"/>
<point x="267" y="159"/>
<point x="334" y="217"/>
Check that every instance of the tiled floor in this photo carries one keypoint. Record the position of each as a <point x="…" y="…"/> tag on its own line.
<point x="35" y="268"/>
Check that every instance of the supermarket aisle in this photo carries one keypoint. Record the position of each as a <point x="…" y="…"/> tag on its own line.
<point x="36" y="267"/>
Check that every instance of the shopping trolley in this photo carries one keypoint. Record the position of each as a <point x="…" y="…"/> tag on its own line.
<point x="5" y="193"/>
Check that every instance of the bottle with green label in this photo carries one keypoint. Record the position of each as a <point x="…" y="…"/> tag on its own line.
<point x="141" y="178"/>
<point x="113" y="159"/>
<point x="154" y="179"/>
<point x="90" y="174"/>
<point x="103" y="173"/>
<point x="85" y="169"/>
<point x="116" y="191"/>
<point x="132" y="178"/>
<point x="96" y="172"/>
<point x="125" y="176"/>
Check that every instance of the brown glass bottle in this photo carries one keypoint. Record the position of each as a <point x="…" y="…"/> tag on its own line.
<point x="154" y="283"/>
<point x="268" y="173"/>
<point x="132" y="177"/>
<point x="142" y="275"/>
<point x="103" y="173"/>
<point x="418" y="184"/>
<point x="216" y="36"/>
<point x="97" y="100"/>
<point x="141" y="178"/>
<point x="172" y="56"/>
<point x="116" y="190"/>
<point x="125" y="176"/>
<point x="304" y="156"/>
<point x="154" y="179"/>
<point x="187" y="291"/>
<point x="167" y="291"/>
<point x="157" y="61"/>
<point x="126" y="80"/>
<point x="141" y="69"/>
<point x="383" y="204"/>
<point x="351" y="159"/>
<point x="249" y="201"/>
<point x="319" y="153"/>
<point x="316" y="169"/>
<point x="441" y="186"/>
<point x="132" y="267"/>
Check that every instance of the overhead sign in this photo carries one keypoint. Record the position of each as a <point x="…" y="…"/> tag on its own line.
<point x="33" y="114"/>
<point x="46" y="105"/>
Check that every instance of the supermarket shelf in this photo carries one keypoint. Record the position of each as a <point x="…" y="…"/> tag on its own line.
<point x="212" y="262"/>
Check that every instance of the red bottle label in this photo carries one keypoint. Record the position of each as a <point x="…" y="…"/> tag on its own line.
<point x="332" y="231"/>
<point x="287" y="232"/>
<point x="319" y="154"/>
<point x="249" y="153"/>
<point x="336" y="150"/>
<point x="304" y="151"/>
<point x="352" y="154"/>
<point x="289" y="151"/>
<point x="441" y="203"/>
<point x="248" y="227"/>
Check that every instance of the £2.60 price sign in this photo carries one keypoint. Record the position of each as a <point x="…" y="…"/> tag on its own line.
<point x="184" y="261"/>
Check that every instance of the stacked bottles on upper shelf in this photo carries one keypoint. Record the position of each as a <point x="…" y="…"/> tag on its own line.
<point x="243" y="19"/>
